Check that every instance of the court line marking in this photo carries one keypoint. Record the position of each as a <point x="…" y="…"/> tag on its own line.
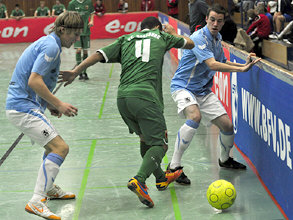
<point x="174" y="199"/>
<point x="105" y="93"/>
<point x="84" y="181"/>
<point x="90" y="157"/>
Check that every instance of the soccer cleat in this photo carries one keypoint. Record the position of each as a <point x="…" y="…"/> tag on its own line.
<point x="80" y="76"/>
<point x="182" y="179"/>
<point x="85" y="76"/>
<point x="231" y="163"/>
<point x="169" y="178"/>
<point x="57" y="193"/>
<point x="40" y="209"/>
<point x="141" y="191"/>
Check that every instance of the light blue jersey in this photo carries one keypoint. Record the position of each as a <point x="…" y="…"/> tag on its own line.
<point x="192" y="73"/>
<point x="42" y="57"/>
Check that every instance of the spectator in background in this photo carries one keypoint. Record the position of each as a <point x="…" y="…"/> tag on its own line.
<point x="122" y="6"/>
<point x="147" y="5"/>
<point x="197" y="14"/>
<point x="100" y="9"/>
<point x="259" y="29"/>
<point x="3" y="10"/>
<point x="229" y="29"/>
<point x="58" y="8"/>
<point x="283" y="14"/>
<point x="17" y="13"/>
<point x="172" y="8"/>
<point x="42" y="10"/>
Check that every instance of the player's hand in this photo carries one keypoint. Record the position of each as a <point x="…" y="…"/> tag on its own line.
<point x="66" y="76"/>
<point x="249" y="59"/>
<point x="54" y="111"/>
<point x="169" y="29"/>
<point x="90" y="24"/>
<point x="67" y="109"/>
<point x="250" y="64"/>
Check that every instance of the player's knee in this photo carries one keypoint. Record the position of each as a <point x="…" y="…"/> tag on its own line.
<point x="165" y="147"/>
<point x="196" y="118"/>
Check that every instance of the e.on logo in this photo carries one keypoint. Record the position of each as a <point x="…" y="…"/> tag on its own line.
<point x="8" y="32"/>
<point x="114" y="26"/>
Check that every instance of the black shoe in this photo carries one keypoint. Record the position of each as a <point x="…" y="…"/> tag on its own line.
<point x="85" y="76"/>
<point x="80" y="76"/>
<point x="231" y="163"/>
<point x="182" y="179"/>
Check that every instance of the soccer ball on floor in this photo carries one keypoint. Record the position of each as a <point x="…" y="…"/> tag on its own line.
<point x="221" y="194"/>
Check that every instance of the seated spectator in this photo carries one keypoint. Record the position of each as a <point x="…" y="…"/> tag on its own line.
<point x="283" y="14"/>
<point x="259" y="29"/>
<point x="3" y="10"/>
<point x="172" y="8"/>
<point x="147" y="5"/>
<point x="246" y="5"/>
<point x="58" y="8"/>
<point x="197" y="14"/>
<point x="229" y="29"/>
<point x="42" y="10"/>
<point x="100" y="9"/>
<point x="17" y="13"/>
<point x="122" y="6"/>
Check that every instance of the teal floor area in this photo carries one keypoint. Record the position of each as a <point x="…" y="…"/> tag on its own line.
<point x="104" y="156"/>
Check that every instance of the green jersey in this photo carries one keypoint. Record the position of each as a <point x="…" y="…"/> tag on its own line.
<point x="2" y="11"/>
<point x="141" y="55"/>
<point x="58" y="9"/>
<point x="42" y="11"/>
<point x="17" y="13"/>
<point x="85" y="9"/>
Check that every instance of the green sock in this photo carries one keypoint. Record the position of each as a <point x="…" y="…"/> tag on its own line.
<point x="85" y="55"/>
<point x="78" y="58"/>
<point x="158" y="173"/>
<point x="151" y="162"/>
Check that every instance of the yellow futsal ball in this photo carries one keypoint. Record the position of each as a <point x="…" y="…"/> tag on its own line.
<point x="221" y="194"/>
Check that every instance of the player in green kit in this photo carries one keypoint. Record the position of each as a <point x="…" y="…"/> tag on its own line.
<point x="140" y="99"/>
<point x="17" y="13"/>
<point x="3" y="10"/>
<point x="86" y="9"/>
<point x="58" y="8"/>
<point x="42" y="10"/>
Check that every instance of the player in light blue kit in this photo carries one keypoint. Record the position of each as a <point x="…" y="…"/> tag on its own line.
<point x="30" y="92"/>
<point x="191" y="90"/>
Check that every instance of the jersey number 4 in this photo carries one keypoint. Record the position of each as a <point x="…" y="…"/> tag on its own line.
<point x="142" y="49"/>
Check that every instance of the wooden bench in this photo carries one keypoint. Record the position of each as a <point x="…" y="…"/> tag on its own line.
<point x="278" y="51"/>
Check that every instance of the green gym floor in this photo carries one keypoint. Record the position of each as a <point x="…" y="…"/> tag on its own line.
<point x="104" y="156"/>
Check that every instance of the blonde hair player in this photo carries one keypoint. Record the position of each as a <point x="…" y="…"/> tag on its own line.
<point x="30" y="93"/>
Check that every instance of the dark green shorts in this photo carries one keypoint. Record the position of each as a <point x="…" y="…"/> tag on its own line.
<point x="144" y="117"/>
<point x="83" y="43"/>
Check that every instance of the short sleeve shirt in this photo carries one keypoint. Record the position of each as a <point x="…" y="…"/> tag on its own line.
<point x="85" y="9"/>
<point x="42" y="11"/>
<point x="58" y="9"/>
<point x="17" y="13"/>
<point x="41" y="57"/>
<point x="141" y="56"/>
<point x="2" y="11"/>
<point x="192" y="72"/>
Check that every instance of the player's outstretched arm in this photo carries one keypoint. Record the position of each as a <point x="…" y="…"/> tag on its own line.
<point x="69" y="75"/>
<point x="37" y="84"/>
<point x="229" y="66"/>
<point x="170" y="30"/>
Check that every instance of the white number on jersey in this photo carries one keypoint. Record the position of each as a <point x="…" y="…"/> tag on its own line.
<point x="145" y="51"/>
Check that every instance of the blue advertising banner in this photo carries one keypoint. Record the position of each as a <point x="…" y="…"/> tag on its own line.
<point x="262" y="113"/>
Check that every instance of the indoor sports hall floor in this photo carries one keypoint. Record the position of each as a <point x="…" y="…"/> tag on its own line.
<point x="104" y="156"/>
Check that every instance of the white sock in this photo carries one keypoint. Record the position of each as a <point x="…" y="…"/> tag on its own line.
<point x="47" y="174"/>
<point x="226" y="142"/>
<point x="184" y="137"/>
